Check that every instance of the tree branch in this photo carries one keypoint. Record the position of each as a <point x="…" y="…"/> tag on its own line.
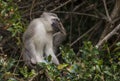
<point x="108" y="36"/>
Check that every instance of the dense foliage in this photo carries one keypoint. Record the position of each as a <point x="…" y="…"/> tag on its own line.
<point x="90" y="65"/>
<point x="81" y="60"/>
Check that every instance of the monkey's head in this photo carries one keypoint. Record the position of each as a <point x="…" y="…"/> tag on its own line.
<point x="54" y="22"/>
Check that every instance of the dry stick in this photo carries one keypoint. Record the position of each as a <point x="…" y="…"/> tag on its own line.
<point x="108" y="36"/>
<point x="78" y="6"/>
<point x="60" y="6"/>
<point x="64" y="12"/>
<point x="17" y="63"/>
<point x="32" y="9"/>
<point x="106" y="10"/>
<point x="84" y="34"/>
<point x="116" y="10"/>
<point x="77" y="13"/>
<point x="71" y="23"/>
<point x="114" y="14"/>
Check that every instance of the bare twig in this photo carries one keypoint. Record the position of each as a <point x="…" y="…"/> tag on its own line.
<point x="71" y="23"/>
<point x="61" y="5"/>
<point x="108" y="36"/>
<point x="32" y="9"/>
<point x="65" y="12"/>
<point x="106" y="10"/>
<point x="114" y="14"/>
<point x="84" y="34"/>
<point x="78" y="6"/>
<point x="116" y="10"/>
<point x="17" y="63"/>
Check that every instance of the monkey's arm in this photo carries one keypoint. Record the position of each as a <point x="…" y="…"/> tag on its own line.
<point x="49" y="51"/>
<point x="29" y="48"/>
<point x="58" y="38"/>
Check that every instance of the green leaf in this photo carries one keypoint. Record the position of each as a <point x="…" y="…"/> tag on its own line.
<point x="118" y="44"/>
<point x="73" y="68"/>
<point x="11" y="79"/>
<point x="108" y="73"/>
<point x="49" y="58"/>
<point x="61" y="66"/>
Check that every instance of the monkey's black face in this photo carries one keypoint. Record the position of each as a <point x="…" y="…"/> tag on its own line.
<point x="57" y="26"/>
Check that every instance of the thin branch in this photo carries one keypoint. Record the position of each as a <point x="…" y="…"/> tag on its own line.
<point x="60" y="5"/>
<point x="106" y="10"/>
<point x="65" y="12"/>
<point x="32" y="9"/>
<point x="17" y="63"/>
<point x="109" y="26"/>
<point x="116" y="10"/>
<point x="108" y="36"/>
<point x="71" y="23"/>
<point x="85" y="33"/>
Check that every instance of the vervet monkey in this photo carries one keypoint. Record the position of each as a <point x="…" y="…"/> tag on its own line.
<point x="38" y="38"/>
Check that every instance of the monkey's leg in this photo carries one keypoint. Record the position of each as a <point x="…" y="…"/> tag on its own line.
<point x="34" y="56"/>
<point x="49" y="51"/>
<point x="39" y="56"/>
<point x="27" y="57"/>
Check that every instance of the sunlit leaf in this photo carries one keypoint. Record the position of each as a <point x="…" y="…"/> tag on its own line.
<point x="61" y="66"/>
<point x="73" y="68"/>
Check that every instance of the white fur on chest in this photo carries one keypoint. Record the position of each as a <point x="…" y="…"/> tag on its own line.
<point x="41" y="38"/>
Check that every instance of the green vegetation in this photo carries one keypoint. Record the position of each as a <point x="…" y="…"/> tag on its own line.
<point x="92" y="65"/>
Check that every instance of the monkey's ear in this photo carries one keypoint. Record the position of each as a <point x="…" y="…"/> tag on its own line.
<point x="43" y="14"/>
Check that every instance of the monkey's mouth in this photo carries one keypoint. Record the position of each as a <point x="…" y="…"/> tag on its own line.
<point x="57" y="26"/>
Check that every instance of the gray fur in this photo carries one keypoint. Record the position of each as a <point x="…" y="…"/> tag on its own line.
<point x="39" y="39"/>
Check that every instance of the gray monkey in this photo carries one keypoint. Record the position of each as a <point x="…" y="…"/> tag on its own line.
<point x="39" y="37"/>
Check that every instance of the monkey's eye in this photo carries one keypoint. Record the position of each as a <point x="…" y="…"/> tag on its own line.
<point x="55" y="20"/>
